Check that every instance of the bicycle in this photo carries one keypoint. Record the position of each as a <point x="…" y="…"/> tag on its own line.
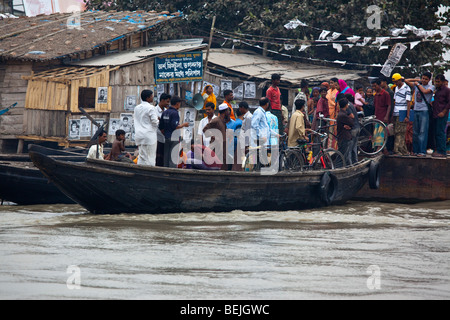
<point x="252" y="161"/>
<point x="372" y="135"/>
<point x="297" y="158"/>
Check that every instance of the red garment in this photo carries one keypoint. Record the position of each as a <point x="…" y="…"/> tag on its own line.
<point x="322" y="107"/>
<point x="441" y="101"/>
<point x="381" y="101"/>
<point x="274" y="96"/>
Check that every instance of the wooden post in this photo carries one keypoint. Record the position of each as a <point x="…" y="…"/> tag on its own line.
<point x="209" y="44"/>
<point x="20" y="146"/>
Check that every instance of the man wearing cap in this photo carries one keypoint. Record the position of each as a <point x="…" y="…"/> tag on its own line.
<point x="402" y="106"/>
<point x="219" y="123"/>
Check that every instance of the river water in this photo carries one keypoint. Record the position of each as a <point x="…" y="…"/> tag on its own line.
<point x="362" y="250"/>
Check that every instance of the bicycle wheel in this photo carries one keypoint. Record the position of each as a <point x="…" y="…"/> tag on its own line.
<point x="337" y="157"/>
<point x="323" y="161"/>
<point x="372" y="137"/>
<point x="291" y="161"/>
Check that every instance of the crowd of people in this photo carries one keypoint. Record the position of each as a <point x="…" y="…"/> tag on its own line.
<point x="415" y="111"/>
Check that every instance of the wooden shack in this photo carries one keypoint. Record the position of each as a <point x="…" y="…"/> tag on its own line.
<point x="35" y="70"/>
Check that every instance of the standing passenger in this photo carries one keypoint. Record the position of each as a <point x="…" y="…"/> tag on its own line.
<point x="170" y="121"/>
<point x="344" y="128"/>
<point x="209" y="110"/>
<point x="146" y="126"/>
<point x="274" y="96"/>
<point x="423" y="92"/>
<point x="220" y="125"/>
<point x="164" y="103"/>
<point x="297" y="129"/>
<point x="441" y="107"/>
<point x="402" y="105"/>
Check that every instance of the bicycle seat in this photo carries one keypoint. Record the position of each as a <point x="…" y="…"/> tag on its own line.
<point x="301" y="141"/>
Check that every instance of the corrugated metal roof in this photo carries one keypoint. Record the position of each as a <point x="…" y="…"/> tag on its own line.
<point x="131" y="57"/>
<point x="258" y="66"/>
<point x="56" y="36"/>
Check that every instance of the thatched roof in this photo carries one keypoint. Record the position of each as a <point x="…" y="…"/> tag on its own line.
<point x="57" y="36"/>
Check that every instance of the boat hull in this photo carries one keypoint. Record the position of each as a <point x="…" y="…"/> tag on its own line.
<point x="104" y="187"/>
<point x="23" y="184"/>
<point x="410" y="180"/>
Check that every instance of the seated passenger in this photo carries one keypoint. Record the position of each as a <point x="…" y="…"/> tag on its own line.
<point x="96" y="150"/>
<point x="118" y="152"/>
<point x="202" y="158"/>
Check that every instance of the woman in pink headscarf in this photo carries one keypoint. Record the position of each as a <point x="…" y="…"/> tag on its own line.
<point x="344" y="88"/>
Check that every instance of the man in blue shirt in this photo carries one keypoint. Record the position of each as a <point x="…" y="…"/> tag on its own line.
<point x="170" y="121"/>
<point x="260" y="131"/>
<point x="260" y="125"/>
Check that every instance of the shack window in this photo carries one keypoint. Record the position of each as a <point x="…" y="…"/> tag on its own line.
<point x="86" y="98"/>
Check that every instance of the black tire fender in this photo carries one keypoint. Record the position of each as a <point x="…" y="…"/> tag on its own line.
<point x="327" y="188"/>
<point x="374" y="175"/>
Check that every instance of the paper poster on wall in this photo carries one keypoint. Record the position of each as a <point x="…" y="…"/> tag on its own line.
<point x="394" y="58"/>
<point x="239" y="92"/>
<point x="249" y="90"/>
<point x="74" y="129"/>
<point x="85" y="127"/>
<point x="127" y="125"/>
<point x="102" y="95"/>
<point x="114" y="124"/>
<point x="130" y="103"/>
<point x="225" y="85"/>
<point x="95" y="128"/>
<point x="189" y="115"/>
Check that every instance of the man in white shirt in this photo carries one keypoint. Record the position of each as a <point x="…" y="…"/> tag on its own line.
<point x="146" y="126"/>
<point x="402" y="107"/>
<point x="209" y="108"/>
<point x="164" y="103"/>
<point x="96" y="150"/>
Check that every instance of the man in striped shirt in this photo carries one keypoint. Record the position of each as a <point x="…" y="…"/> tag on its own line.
<point x="402" y="106"/>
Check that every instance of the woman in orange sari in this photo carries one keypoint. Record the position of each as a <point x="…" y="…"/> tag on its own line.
<point x="334" y="110"/>
<point x="209" y="96"/>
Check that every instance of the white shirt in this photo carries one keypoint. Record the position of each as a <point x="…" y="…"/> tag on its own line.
<point x="146" y="124"/>
<point x="402" y="96"/>
<point x="247" y="121"/>
<point x="201" y="126"/>
<point x="92" y="154"/>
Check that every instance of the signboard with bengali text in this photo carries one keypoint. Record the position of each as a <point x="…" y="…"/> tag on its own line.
<point x="179" y="67"/>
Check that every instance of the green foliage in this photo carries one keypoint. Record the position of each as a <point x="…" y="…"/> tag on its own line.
<point x="265" y="20"/>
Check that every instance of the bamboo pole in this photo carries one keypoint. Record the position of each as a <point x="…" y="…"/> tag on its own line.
<point x="209" y="44"/>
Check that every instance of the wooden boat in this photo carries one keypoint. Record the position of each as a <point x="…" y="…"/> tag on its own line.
<point x="24" y="184"/>
<point x="104" y="187"/>
<point x="410" y="180"/>
<point x="79" y="152"/>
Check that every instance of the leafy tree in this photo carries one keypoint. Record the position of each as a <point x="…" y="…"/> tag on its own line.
<point x="264" y="20"/>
